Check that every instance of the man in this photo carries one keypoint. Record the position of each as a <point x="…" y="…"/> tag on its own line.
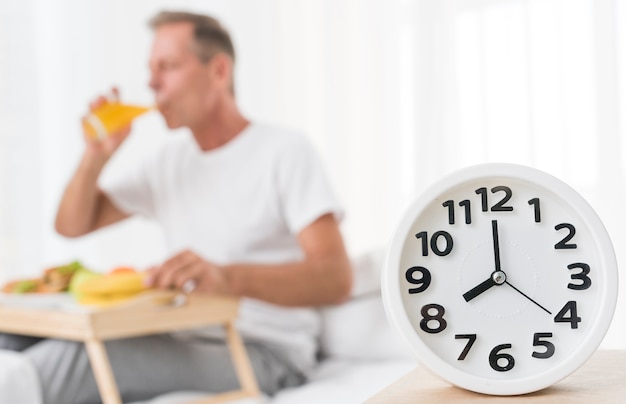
<point x="246" y="210"/>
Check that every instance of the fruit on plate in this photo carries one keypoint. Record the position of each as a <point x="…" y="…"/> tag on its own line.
<point x="79" y="278"/>
<point x="54" y="279"/>
<point x="57" y="279"/>
<point x="109" y="289"/>
<point x="87" y="287"/>
<point x="22" y="286"/>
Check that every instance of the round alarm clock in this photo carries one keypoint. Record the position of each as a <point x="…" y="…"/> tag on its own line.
<point x="501" y="278"/>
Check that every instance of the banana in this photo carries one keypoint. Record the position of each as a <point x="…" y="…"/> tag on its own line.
<point x="122" y="283"/>
<point x="105" y="300"/>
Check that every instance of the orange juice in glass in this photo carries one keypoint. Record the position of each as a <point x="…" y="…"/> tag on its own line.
<point x="110" y="118"/>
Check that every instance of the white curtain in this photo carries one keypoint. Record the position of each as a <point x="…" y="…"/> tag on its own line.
<point x="394" y="93"/>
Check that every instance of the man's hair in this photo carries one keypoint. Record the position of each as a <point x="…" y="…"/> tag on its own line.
<point x="209" y="35"/>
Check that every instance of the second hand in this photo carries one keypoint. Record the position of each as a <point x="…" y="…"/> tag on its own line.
<point x="528" y="297"/>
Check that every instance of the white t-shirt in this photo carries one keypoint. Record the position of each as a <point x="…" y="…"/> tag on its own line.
<point x="244" y="202"/>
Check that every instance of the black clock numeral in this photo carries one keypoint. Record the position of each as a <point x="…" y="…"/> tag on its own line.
<point x="563" y="244"/>
<point x="423" y="282"/>
<point x="483" y="195"/>
<point x="464" y="204"/>
<point x="434" y="243"/>
<point x="537" y="341"/>
<point x="471" y="338"/>
<point x="568" y="314"/>
<point x="496" y="357"/>
<point x="535" y="203"/>
<point x="450" y="205"/>
<point x="499" y="206"/>
<point x="436" y="317"/>
<point x="581" y="276"/>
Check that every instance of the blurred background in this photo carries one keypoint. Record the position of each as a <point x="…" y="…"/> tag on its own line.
<point x="394" y="94"/>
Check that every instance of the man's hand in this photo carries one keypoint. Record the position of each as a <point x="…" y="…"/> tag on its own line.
<point x="322" y="277"/>
<point x="178" y="271"/>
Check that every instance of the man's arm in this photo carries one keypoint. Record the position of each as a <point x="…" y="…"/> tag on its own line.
<point x="323" y="277"/>
<point x="84" y="207"/>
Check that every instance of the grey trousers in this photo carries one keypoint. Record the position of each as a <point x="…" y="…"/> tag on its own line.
<point x="146" y="367"/>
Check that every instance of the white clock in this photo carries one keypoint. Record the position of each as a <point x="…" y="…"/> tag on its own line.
<point x="501" y="278"/>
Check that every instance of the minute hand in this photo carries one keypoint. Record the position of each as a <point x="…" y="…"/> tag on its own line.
<point x="496" y="245"/>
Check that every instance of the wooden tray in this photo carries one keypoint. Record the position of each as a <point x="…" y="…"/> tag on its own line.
<point x="58" y="316"/>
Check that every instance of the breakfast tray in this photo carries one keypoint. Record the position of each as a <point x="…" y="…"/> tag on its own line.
<point x="58" y="316"/>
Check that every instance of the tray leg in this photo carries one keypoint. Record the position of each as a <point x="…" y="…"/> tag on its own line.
<point x="102" y="372"/>
<point x="244" y="370"/>
<point x="245" y="373"/>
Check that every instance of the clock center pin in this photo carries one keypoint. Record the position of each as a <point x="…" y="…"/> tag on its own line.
<point x="498" y="277"/>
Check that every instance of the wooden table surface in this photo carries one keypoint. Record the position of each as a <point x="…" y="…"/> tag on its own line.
<point x="602" y="379"/>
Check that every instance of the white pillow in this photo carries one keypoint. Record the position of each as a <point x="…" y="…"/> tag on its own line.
<point x="366" y="273"/>
<point x="358" y="329"/>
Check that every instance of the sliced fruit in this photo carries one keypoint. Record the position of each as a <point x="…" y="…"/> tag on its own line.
<point x="122" y="270"/>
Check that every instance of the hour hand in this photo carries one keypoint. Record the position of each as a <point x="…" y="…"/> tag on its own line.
<point x="496" y="278"/>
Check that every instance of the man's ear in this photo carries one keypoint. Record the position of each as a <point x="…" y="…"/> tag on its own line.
<point x="222" y="69"/>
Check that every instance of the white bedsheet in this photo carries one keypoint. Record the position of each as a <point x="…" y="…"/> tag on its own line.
<point x="333" y="382"/>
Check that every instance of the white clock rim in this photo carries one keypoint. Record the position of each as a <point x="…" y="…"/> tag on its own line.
<point x="394" y="308"/>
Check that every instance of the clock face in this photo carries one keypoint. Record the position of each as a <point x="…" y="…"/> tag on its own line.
<point x="501" y="278"/>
